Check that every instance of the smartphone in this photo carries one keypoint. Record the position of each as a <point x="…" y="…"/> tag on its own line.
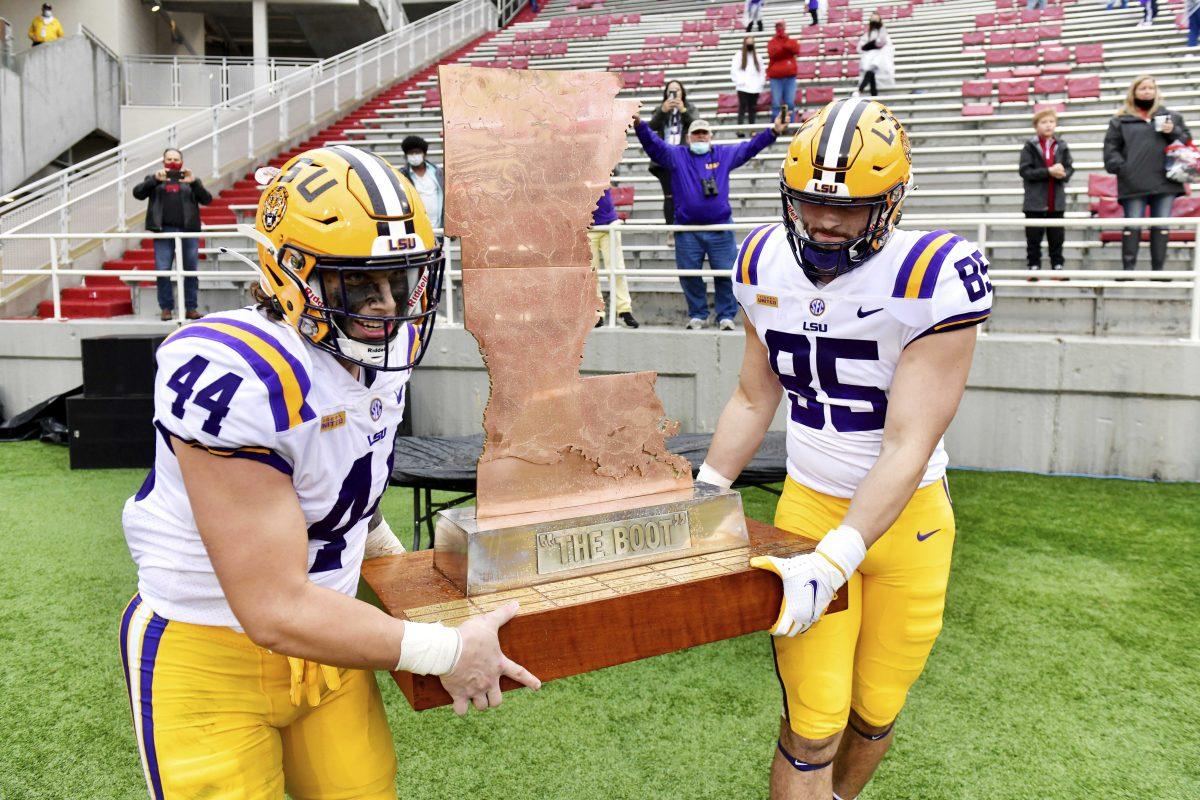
<point x="174" y="174"/>
<point x="786" y="113"/>
<point x="673" y="95"/>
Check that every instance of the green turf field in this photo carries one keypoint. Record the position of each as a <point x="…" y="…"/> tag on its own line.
<point x="1069" y="666"/>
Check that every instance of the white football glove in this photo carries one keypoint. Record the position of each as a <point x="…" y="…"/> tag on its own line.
<point x="381" y="541"/>
<point x="810" y="580"/>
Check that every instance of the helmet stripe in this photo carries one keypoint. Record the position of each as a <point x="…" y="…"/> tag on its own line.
<point x="838" y="137"/>
<point x="388" y="199"/>
<point x="827" y="129"/>
<point x="847" y="141"/>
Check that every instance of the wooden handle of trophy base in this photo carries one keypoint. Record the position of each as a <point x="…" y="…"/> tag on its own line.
<point x="558" y="642"/>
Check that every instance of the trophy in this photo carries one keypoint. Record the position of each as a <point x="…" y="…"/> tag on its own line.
<point x="582" y="514"/>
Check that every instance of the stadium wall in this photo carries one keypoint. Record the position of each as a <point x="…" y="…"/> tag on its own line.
<point x="1128" y="407"/>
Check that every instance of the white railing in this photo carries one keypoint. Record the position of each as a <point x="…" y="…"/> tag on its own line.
<point x="94" y="195"/>
<point x="1188" y="280"/>
<point x="507" y="9"/>
<point x="197" y="80"/>
<point x="5" y="43"/>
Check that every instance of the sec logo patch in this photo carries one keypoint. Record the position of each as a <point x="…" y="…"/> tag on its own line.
<point x="817" y="307"/>
<point x="376" y="409"/>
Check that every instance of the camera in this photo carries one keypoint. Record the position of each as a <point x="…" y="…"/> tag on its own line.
<point x="709" y="186"/>
<point x="174" y="174"/>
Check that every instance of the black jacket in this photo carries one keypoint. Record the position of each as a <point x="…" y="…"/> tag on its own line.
<point x="1036" y="176"/>
<point x="191" y="195"/>
<point x="658" y="124"/>
<point x="1133" y="151"/>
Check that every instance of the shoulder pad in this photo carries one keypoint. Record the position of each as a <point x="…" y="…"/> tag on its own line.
<point x="947" y="277"/>
<point x="745" y="267"/>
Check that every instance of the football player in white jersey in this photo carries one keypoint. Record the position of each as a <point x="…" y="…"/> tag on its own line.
<point x="248" y="660"/>
<point x="869" y="332"/>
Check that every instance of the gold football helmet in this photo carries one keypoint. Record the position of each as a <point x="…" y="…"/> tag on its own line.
<point x="338" y="229"/>
<point x="853" y="153"/>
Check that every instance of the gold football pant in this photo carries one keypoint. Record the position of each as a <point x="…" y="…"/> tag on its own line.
<point x="599" y="242"/>
<point x="868" y="656"/>
<point x="213" y="717"/>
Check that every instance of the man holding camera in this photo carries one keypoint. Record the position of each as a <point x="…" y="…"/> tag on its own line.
<point x="700" y="183"/>
<point x="175" y="196"/>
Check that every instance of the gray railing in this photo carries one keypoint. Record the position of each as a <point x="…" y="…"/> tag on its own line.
<point x="197" y="80"/>
<point x="93" y="196"/>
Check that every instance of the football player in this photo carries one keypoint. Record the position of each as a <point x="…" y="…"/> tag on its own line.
<point x="248" y="660"/>
<point x="869" y="331"/>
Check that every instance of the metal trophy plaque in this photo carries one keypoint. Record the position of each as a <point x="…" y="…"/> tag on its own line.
<point x="582" y="514"/>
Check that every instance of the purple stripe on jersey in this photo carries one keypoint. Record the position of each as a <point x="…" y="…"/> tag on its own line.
<point x="260" y="366"/>
<point x="166" y="435"/>
<point x="754" y="259"/>
<point x="910" y="261"/>
<point x="147" y="487"/>
<point x="271" y="459"/>
<point x="954" y="323"/>
<point x="293" y="362"/>
<point x="737" y="265"/>
<point x="125" y="619"/>
<point x="150" y="642"/>
<point x="931" y="273"/>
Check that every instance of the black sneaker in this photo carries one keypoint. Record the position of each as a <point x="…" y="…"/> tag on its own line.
<point x="627" y="318"/>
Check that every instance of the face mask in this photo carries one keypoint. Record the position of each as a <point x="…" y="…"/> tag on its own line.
<point x="172" y="165"/>
<point x="415" y="159"/>
<point x="47" y="15"/>
<point x="1144" y="105"/>
<point x="876" y="25"/>
<point x="749" y="48"/>
<point x="700" y="148"/>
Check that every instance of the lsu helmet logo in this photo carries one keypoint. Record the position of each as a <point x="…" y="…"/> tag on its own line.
<point x="274" y="207"/>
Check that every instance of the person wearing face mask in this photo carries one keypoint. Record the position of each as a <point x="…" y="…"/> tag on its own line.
<point x="748" y="78"/>
<point x="175" y="196"/>
<point x="425" y="176"/>
<point x="754" y="9"/>
<point x="781" y="67"/>
<point x="700" y="182"/>
<point x="670" y="121"/>
<point x="45" y="28"/>
<point x="877" y="58"/>
<point x="1133" y="151"/>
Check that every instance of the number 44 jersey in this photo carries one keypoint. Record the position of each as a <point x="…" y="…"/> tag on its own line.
<point x="237" y="385"/>
<point x="835" y="347"/>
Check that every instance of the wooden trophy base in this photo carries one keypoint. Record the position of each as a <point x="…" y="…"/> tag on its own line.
<point x="583" y="624"/>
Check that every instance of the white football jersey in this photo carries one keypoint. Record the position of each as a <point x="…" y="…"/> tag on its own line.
<point x="835" y="347"/>
<point x="242" y="386"/>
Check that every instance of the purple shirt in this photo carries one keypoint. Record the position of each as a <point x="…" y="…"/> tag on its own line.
<point x="605" y="213"/>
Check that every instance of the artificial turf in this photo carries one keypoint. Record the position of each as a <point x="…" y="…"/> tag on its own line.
<point x="1069" y="665"/>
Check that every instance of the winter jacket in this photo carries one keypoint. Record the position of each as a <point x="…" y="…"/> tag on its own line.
<point x="1037" y="179"/>
<point x="42" y="30"/>
<point x="750" y="79"/>
<point x="191" y="196"/>
<point x="438" y="220"/>
<point x="1133" y="151"/>
<point x="781" y="53"/>
<point x="879" y="58"/>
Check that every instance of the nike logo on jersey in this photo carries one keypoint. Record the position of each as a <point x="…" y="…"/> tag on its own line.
<point x="923" y="536"/>
<point x="862" y="313"/>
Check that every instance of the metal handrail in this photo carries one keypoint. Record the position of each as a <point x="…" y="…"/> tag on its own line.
<point x="51" y="182"/>
<point x="1063" y="279"/>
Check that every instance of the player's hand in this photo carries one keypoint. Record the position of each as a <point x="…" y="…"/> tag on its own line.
<point x="810" y="580"/>
<point x="476" y="677"/>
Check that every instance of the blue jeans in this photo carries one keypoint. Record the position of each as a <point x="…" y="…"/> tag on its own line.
<point x="1135" y="207"/>
<point x="690" y="249"/>
<point x="1032" y="4"/>
<point x="1194" y="29"/>
<point x="164" y="258"/>
<point x="783" y="92"/>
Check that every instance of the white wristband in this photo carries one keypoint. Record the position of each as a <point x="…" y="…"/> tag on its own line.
<point x="429" y="649"/>
<point x="709" y="475"/>
<point x="845" y="548"/>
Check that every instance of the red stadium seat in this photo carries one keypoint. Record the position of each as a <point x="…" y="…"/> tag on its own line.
<point x="853" y="69"/>
<point x="1089" y="53"/>
<point x="1087" y="86"/>
<point x="838" y="15"/>
<point x="829" y="31"/>
<point x="654" y="41"/>
<point x="727" y="104"/>
<point x="1007" y="18"/>
<point x="818" y="95"/>
<point x="998" y="57"/>
<point x="978" y="110"/>
<point x="1058" y="107"/>
<point x="1050" y="84"/>
<point x="809" y="49"/>
<point x="1025" y="36"/>
<point x="653" y="80"/>
<point x="997" y="74"/>
<point x="674" y="40"/>
<point x="829" y="69"/>
<point x="985" y="20"/>
<point x="1027" y="72"/>
<point x="622" y="200"/>
<point x="1014" y="91"/>
<point x="1025" y="55"/>
<point x="806" y="70"/>
<point x="1002" y="37"/>
<point x="1026" y="16"/>
<point x="1051" y="14"/>
<point x="764" y="102"/>
<point x="691" y="38"/>
<point x="618" y="60"/>
<point x="974" y="38"/>
<point x="855" y="29"/>
<point x="1049" y="32"/>
<point x="433" y="98"/>
<point x="977" y="89"/>
<point x="835" y="47"/>
<point x="710" y="40"/>
<point x="680" y="57"/>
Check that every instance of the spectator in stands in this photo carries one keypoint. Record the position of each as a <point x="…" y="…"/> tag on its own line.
<point x="813" y="6"/>
<point x="601" y="242"/>
<point x="1151" y="11"/>
<point x="670" y="121"/>
<point x="754" y="9"/>
<point x="426" y="178"/>
<point x="1032" y="4"/>
<point x="45" y="28"/>
<point x="700" y="179"/>
<point x="748" y="77"/>
<point x="1045" y="169"/>
<point x="781" y="68"/>
<point x="877" y="58"/>
<point x="175" y="196"/>
<point x="1192" y="10"/>
<point x="1133" y="151"/>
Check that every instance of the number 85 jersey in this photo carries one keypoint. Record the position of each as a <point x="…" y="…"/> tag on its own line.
<point x="238" y="385"/>
<point x="835" y="347"/>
